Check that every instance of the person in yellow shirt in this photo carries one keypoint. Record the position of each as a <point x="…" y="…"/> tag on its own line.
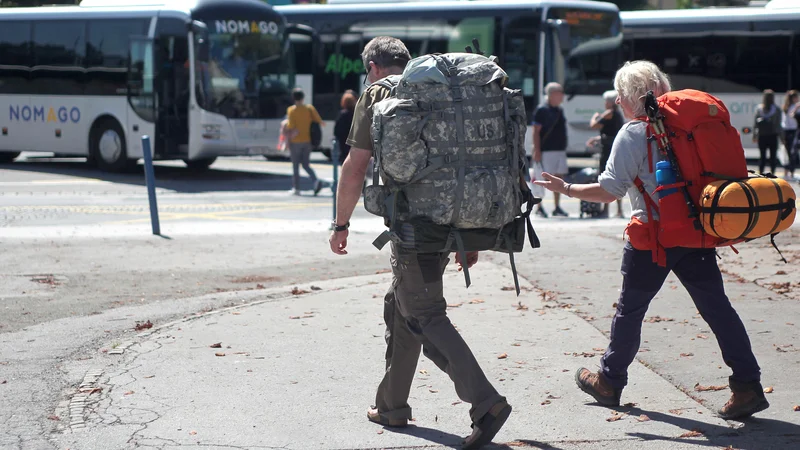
<point x="300" y="117"/>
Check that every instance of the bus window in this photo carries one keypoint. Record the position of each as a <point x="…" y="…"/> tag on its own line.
<point x="521" y="59"/>
<point x="59" y="57"/>
<point x="720" y="63"/>
<point x="107" y="54"/>
<point x="15" y="57"/>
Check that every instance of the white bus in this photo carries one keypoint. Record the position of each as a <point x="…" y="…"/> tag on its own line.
<point x="203" y="78"/>
<point x="576" y="43"/>
<point x="732" y="53"/>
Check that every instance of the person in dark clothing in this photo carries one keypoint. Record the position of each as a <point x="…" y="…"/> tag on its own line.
<point x="609" y="123"/>
<point x="767" y="130"/>
<point x="342" y="127"/>
<point x="550" y="140"/>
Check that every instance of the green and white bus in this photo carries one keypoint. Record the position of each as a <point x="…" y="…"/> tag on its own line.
<point x="203" y="78"/>
<point x="576" y="43"/>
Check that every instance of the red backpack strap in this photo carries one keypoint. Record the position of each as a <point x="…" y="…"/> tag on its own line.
<point x="658" y="251"/>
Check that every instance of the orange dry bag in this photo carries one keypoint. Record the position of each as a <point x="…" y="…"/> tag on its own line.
<point x="747" y="209"/>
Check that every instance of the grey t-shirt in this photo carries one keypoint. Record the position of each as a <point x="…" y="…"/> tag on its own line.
<point x="629" y="160"/>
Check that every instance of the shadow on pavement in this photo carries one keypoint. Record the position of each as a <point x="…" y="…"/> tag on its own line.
<point x="755" y="434"/>
<point x="440" y="437"/>
<point x="179" y="179"/>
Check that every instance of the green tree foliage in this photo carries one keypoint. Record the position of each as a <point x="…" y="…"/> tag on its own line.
<point x="629" y="5"/>
<point x="22" y="3"/>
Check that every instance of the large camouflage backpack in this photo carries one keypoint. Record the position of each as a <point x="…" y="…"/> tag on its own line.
<point x="449" y="145"/>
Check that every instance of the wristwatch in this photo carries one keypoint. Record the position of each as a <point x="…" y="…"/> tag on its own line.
<point x="338" y="228"/>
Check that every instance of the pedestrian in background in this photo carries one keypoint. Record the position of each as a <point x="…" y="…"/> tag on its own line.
<point x="415" y="310"/>
<point x="790" y="109"/>
<point x="609" y="123"/>
<point x="550" y="140"/>
<point x="642" y="277"/>
<point x="342" y="127"/>
<point x="300" y="116"/>
<point x="767" y="131"/>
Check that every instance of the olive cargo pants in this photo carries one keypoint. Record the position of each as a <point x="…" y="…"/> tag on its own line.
<point x="415" y="312"/>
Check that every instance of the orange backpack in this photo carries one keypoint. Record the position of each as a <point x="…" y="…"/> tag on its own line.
<point x="692" y="130"/>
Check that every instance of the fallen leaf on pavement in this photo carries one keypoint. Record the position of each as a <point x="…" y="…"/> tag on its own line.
<point x="298" y="291"/>
<point x="380" y="431"/>
<point x="521" y="307"/>
<point x="475" y="301"/>
<point x="656" y="319"/>
<point x="236" y="313"/>
<point x="316" y="288"/>
<point x="677" y="412"/>
<point x="423" y="371"/>
<point x="598" y="349"/>
<point x="546" y="402"/>
<point x="508" y="288"/>
<point x="553" y="397"/>
<point x="455" y="403"/>
<point x="217" y="345"/>
<point x="686" y="355"/>
<point x="219" y="354"/>
<point x="3" y="382"/>
<point x="143" y="326"/>
<point x="193" y="432"/>
<point x="129" y="393"/>
<point x="515" y="344"/>
<point x="631" y="405"/>
<point x="54" y="417"/>
<point x="150" y="376"/>
<point x="91" y="391"/>
<point x="615" y="416"/>
<point x="796" y="408"/>
<point x="432" y="391"/>
<point x="614" y="305"/>
<point x="643" y="418"/>
<point x="700" y="388"/>
<point x="780" y="272"/>
<point x="294" y="317"/>
<point x="453" y="305"/>
<point x="702" y="336"/>
<point x="769" y="390"/>
<point x="502" y="356"/>
<point x="693" y="433"/>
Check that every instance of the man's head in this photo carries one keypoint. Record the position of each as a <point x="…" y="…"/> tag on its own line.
<point x="554" y="94"/>
<point x="298" y="95"/>
<point x="384" y="56"/>
<point x="610" y="98"/>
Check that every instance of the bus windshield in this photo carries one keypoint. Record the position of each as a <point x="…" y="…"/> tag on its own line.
<point x="595" y="44"/>
<point x="244" y="75"/>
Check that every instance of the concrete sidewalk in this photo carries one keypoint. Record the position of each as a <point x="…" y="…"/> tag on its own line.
<point x="299" y="372"/>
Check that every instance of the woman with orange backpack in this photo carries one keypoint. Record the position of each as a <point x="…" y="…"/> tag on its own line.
<point x="645" y="263"/>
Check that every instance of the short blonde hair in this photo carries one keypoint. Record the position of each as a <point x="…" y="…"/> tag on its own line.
<point x="634" y="79"/>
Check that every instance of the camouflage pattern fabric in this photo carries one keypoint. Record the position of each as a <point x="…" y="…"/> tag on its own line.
<point x="449" y="142"/>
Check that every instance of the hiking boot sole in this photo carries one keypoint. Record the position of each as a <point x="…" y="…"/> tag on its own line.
<point x="603" y="400"/>
<point x="485" y="436"/>
<point x="744" y="413"/>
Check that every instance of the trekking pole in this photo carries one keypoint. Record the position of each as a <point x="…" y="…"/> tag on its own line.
<point x="656" y="120"/>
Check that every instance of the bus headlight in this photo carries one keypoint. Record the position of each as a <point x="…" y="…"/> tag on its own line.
<point x="211" y="131"/>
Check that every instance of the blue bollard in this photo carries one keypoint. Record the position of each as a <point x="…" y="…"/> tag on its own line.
<point x="150" y="180"/>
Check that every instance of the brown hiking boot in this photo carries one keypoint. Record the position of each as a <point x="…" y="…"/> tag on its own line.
<point x="743" y="404"/>
<point x="375" y="416"/>
<point x="595" y="384"/>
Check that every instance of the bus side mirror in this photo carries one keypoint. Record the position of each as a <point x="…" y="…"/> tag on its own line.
<point x="563" y="32"/>
<point x="305" y="30"/>
<point x="200" y="32"/>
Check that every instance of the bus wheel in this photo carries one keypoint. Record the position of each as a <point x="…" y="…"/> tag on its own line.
<point x="107" y="147"/>
<point x="199" y="164"/>
<point x="7" y="157"/>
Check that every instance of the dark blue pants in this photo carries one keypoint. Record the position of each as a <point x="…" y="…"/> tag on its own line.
<point x="697" y="270"/>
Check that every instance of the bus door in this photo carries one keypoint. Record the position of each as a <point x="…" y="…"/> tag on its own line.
<point x="141" y="94"/>
<point x="172" y="91"/>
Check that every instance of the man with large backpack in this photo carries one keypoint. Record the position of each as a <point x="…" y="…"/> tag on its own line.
<point x="414" y="308"/>
<point x="664" y="237"/>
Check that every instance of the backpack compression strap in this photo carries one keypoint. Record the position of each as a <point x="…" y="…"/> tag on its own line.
<point x="659" y="253"/>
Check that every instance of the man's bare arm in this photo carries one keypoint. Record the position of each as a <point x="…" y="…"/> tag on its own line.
<point x="351" y="182"/>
